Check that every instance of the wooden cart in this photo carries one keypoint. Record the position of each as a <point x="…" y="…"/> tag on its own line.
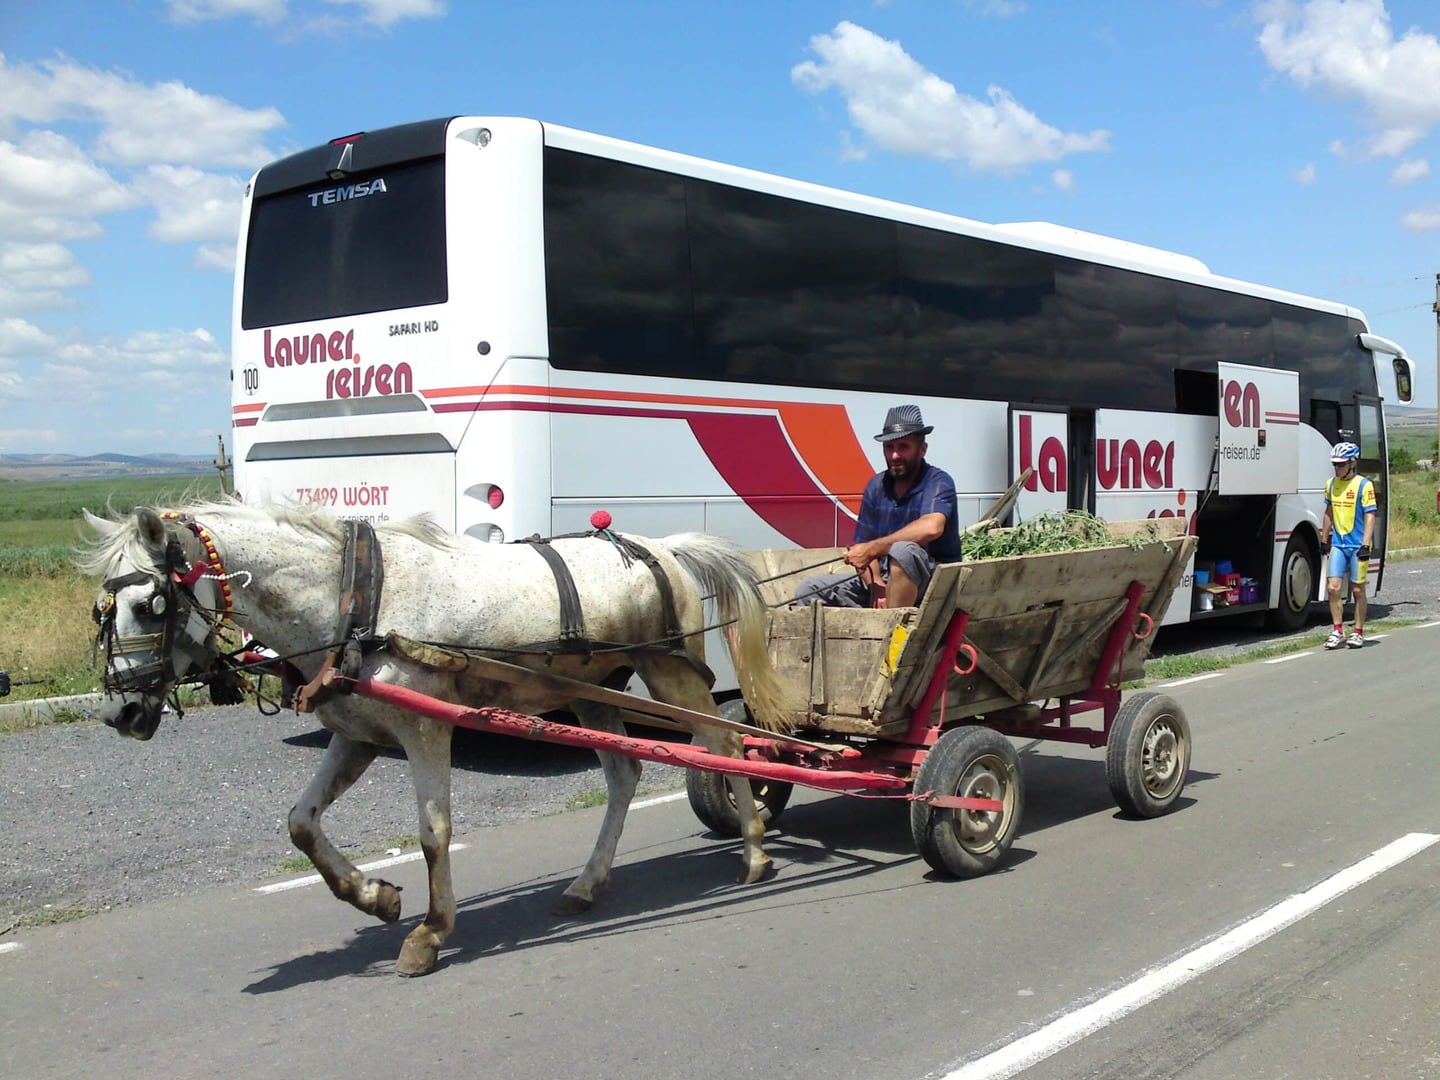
<point x="926" y="696"/>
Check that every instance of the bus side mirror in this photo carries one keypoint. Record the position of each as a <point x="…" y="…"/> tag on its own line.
<point x="1402" y="378"/>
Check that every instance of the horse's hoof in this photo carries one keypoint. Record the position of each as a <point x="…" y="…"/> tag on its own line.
<point x="387" y="903"/>
<point x="417" y="958"/>
<point x="570" y="904"/>
<point x="756" y="871"/>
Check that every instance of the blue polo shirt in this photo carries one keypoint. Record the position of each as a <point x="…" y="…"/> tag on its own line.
<point x="932" y="493"/>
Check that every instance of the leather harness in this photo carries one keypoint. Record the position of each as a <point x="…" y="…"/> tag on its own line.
<point x="573" y="638"/>
<point x="363" y="575"/>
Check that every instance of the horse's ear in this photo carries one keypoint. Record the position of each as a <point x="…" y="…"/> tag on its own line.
<point x="98" y="525"/>
<point x="152" y="530"/>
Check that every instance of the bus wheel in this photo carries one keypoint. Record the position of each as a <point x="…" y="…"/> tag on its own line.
<point x="1299" y="578"/>
<point x="710" y="796"/>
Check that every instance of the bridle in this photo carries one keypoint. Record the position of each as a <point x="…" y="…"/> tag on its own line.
<point x="186" y="625"/>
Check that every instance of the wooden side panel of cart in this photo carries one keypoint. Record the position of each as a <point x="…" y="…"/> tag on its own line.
<point x="1037" y="626"/>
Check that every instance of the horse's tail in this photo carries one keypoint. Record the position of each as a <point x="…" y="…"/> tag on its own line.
<point x="722" y="570"/>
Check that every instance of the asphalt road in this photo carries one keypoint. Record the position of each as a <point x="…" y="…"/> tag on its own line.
<point x="851" y="961"/>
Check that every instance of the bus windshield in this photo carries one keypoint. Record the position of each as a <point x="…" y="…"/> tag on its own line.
<point x="373" y="242"/>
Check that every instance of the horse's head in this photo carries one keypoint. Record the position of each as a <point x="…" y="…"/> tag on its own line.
<point x="153" y="627"/>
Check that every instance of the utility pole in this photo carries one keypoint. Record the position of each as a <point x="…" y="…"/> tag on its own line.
<point x="227" y="488"/>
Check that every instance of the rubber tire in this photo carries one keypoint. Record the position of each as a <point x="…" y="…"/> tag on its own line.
<point x="1147" y="754"/>
<point x="1299" y="567"/>
<point x="710" y="796"/>
<point x="976" y="761"/>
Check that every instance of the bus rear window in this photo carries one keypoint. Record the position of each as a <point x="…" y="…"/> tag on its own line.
<point x="374" y="242"/>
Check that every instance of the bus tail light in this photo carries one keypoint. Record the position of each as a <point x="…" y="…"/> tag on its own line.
<point x="487" y="533"/>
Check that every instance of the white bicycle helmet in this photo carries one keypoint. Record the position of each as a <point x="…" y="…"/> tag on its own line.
<point x="1343" y="452"/>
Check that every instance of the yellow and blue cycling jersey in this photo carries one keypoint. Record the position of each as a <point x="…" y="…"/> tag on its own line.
<point x="1344" y="498"/>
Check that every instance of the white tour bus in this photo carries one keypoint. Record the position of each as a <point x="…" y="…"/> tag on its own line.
<point x="509" y="325"/>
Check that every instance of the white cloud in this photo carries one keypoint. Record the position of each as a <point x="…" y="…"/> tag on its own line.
<point x="79" y="371"/>
<point x="30" y="438"/>
<point x="139" y="123"/>
<point x="1407" y="172"/>
<point x="216" y="257"/>
<point x="125" y="144"/>
<point x="198" y="10"/>
<point x="50" y="189"/>
<point x="34" y="277"/>
<point x="1002" y="8"/>
<point x="19" y="338"/>
<point x="1422" y="218"/>
<point x="1346" y="49"/>
<point x="386" y="13"/>
<point x="1063" y="179"/>
<point x="903" y="108"/>
<point x="191" y="205"/>
<point x="379" y="13"/>
<point x="1305" y="176"/>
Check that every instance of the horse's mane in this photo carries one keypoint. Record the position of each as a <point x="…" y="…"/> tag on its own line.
<point x="121" y="536"/>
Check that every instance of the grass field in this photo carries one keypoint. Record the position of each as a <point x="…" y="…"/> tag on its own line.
<point x="45" y="627"/>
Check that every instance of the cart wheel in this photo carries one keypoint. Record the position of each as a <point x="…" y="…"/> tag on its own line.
<point x="710" y="796"/>
<point x="980" y="763"/>
<point x="1147" y="754"/>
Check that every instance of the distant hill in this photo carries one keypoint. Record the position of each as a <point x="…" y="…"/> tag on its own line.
<point x="1404" y="416"/>
<point x="100" y="466"/>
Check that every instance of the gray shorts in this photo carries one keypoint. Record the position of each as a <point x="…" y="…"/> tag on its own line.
<point x="847" y="590"/>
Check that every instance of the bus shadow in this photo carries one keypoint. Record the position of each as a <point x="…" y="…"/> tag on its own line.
<point x="483" y="752"/>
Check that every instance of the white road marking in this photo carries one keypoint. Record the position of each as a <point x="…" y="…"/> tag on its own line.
<point x="1193" y="678"/>
<point x="1427" y="625"/>
<point x="1088" y="1019"/>
<point x="1287" y="659"/>
<point x="379" y="864"/>
<point x="10" y="946"/>
<point x="674" y="796"/>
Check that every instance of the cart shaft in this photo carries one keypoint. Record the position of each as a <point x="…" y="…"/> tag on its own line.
<point x="505" y="722"/>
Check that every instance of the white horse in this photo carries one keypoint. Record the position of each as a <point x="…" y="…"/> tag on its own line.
<point x="170" y="579"/>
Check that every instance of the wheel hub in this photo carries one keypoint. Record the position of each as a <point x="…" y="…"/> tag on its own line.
<point x="1161" y="758"/>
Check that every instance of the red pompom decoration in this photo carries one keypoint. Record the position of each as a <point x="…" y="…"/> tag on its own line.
<point x="600" y="519"/>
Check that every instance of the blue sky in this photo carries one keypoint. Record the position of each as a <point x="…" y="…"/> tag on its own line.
<point x="1287" y="142"/>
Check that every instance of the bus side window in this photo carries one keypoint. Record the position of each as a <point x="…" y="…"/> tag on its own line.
<point x="1197" y="392"/>
<point x="1325" y="418"/>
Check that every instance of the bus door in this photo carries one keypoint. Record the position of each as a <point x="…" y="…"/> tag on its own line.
<point x="1259" y="430"/>
<point x="1374" y="466"/>
<point x="1082" y="459"/>
<point x="1040" y="440"/>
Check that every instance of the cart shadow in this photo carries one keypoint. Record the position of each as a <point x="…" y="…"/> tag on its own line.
<point x="1062" y="789"/>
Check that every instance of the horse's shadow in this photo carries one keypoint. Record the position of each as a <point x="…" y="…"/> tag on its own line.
<point x="838" y="843"/>
<point x="824" y="844"/>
